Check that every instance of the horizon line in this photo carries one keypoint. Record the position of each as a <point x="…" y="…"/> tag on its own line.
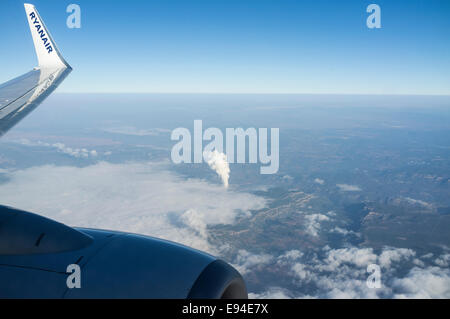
<point x="268" y="93"/>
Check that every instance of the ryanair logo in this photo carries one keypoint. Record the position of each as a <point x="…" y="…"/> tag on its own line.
<point x="40" y="30"/>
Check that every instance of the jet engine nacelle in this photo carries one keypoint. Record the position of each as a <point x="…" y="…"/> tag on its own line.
<point x="36" y="252"/>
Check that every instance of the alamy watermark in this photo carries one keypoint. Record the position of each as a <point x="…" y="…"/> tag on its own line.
<point x="374" y="19"/>
<point x="74" y="19"/>
<point x="241" y="146"/>
<point x="74" y="278"/>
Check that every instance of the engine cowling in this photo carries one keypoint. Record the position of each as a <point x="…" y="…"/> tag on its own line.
<point x="35" y="252"/>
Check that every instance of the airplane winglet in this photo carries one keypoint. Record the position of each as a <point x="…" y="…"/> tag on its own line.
<point x="46" y="50"/>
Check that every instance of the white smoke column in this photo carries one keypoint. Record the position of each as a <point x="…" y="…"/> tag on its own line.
<point x="218" y="162"/>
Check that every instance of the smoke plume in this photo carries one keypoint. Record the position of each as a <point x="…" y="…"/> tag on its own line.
<point x="218" y="162"/>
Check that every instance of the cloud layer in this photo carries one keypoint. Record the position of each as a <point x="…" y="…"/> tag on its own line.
<point x="342" y="273"/>
<point x="348" y="188"/>
<point x="61" y="148"/>
<point x="145" y="198"/>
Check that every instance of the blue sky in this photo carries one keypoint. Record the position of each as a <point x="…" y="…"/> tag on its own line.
<point x="240" y="46"/>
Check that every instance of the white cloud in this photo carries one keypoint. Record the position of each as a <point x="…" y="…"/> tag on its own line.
<point x="196" y="221"/>
<point x="360" y="257"/>
<point x="443" y="261"/>
<point x="417" y="202"/>
<point x="348" y="188"/>
<point x="432" y="282"/>
<point x="319" y="181"/>
<point x="246" y="260"/>
<point x="75" y="152"/>
<point x="301" y="271"/>
<point x="341" y="231"/>
<point x="342" y="273"/>
<point x="348" y="288"/>
<point x="62" y="148"/>
<point x="291" y="255"/>
<point x="418" y="262"/>
<point x="313" y="223"/>
<point x="391" y="255"/>
<point x="144" y="198"/>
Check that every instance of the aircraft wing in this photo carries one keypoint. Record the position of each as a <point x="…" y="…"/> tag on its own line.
<point x="20" y="96"/>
